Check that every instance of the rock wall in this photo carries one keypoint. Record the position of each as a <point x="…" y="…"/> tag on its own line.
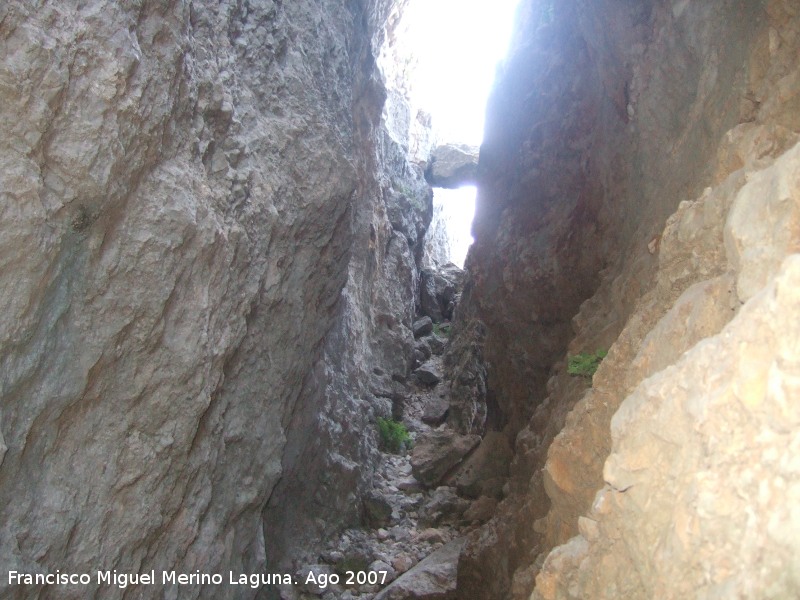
<point x="605" y="118"/>
<point x="210" y="250"/>
<point x="212" y="230"/>
<point x="696" y="491"/>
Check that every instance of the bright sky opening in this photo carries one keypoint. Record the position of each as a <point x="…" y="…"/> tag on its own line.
<point x="457" y="45"/>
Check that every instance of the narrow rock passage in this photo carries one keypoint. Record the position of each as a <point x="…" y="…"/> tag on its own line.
<point x="417" y="515"/>
<point x="415" y="534"/>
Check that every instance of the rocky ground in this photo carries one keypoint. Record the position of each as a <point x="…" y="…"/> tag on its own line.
<point x="424" y="501"/>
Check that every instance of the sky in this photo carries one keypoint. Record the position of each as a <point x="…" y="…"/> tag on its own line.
<point x="458" y="44"/>
<point x="458" y="210"/>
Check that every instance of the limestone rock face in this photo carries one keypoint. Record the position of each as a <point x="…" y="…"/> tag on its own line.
<point x="714" y="494"/>
<point x="405" y="122"/>
<point x="208" y="243"/>
<point x="439" y="289"/>
<point x="731" y="378"/>
<point x="638" y="186"/>
<point x="466" y="371"/>
<point x="438" y="246"/>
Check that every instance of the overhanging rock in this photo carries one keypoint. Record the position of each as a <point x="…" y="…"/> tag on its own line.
<point x="452" y="166"/>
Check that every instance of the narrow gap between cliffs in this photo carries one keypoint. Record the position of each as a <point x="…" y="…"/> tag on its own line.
<point x="436" y="480"/>
<point x="453" y="50"/>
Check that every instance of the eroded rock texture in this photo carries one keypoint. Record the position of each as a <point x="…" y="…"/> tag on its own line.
<point x="209" y="248"/>
<point x="607" y="117"/>
<point x="213" y="222"/>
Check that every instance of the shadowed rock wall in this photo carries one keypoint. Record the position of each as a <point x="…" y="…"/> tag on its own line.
<point x="605" y="117"/>
<point x="208" y="244"/>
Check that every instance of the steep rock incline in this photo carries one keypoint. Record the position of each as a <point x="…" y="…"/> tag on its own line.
<point x="606" y="117"/>
<point x="703" y="465"/>
<point x="715" y="253"/>
<point x="203" y="224"/>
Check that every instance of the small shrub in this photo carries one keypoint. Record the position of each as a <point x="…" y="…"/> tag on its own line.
<point x="394" y="436"/>
<point x="441" y="330"/>
<point x="585" y="364"/>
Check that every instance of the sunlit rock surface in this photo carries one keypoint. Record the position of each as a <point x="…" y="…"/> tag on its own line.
<point x="639" y="192"/>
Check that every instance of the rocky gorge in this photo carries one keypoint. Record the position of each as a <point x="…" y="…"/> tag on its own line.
<point x="219" y="292"/>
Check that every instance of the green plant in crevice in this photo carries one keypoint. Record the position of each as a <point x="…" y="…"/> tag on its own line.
<point x="585" y="364"/>
<point x="394" y="436"/>
<point x="441" y="330"/>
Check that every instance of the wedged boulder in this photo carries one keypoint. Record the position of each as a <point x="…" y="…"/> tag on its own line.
<point x="486" y="469"/>
<point x="432" y="579"/>
<point x="422" y="327"/>
<point x="437" y="452"/>
<point x="428" y="374"/>
<point x="443" y="507"/>
<point x="453" y="273"/>
<point x="452" y="166"/>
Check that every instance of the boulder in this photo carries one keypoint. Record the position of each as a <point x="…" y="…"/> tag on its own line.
<point x="437" y="344"/>
<point x="402" y="563"/>
<point x="422" y="327"/>
<point x="485" y="471"/>
<point x="453" y="166"/>
<point x="380" y="566"/>
<point x="433" y="578"/>
<point x="421" y="353"/>
<point x="444" y="507"/>
<point x="437" y="452"/>
<point x="433" y="535"/>
<point x="417" y="358"/>
<point x="409" y="485"/>
<point x="428" y="374"/>
<point x="423" y="348"/>
<point x="481" y="510"/>
<point x="378" y="509"/>
<point x="435" y="411"/>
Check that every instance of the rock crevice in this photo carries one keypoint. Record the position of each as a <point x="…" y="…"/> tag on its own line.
<point x="216" y="289"/>
<point x="621" y="144"/>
